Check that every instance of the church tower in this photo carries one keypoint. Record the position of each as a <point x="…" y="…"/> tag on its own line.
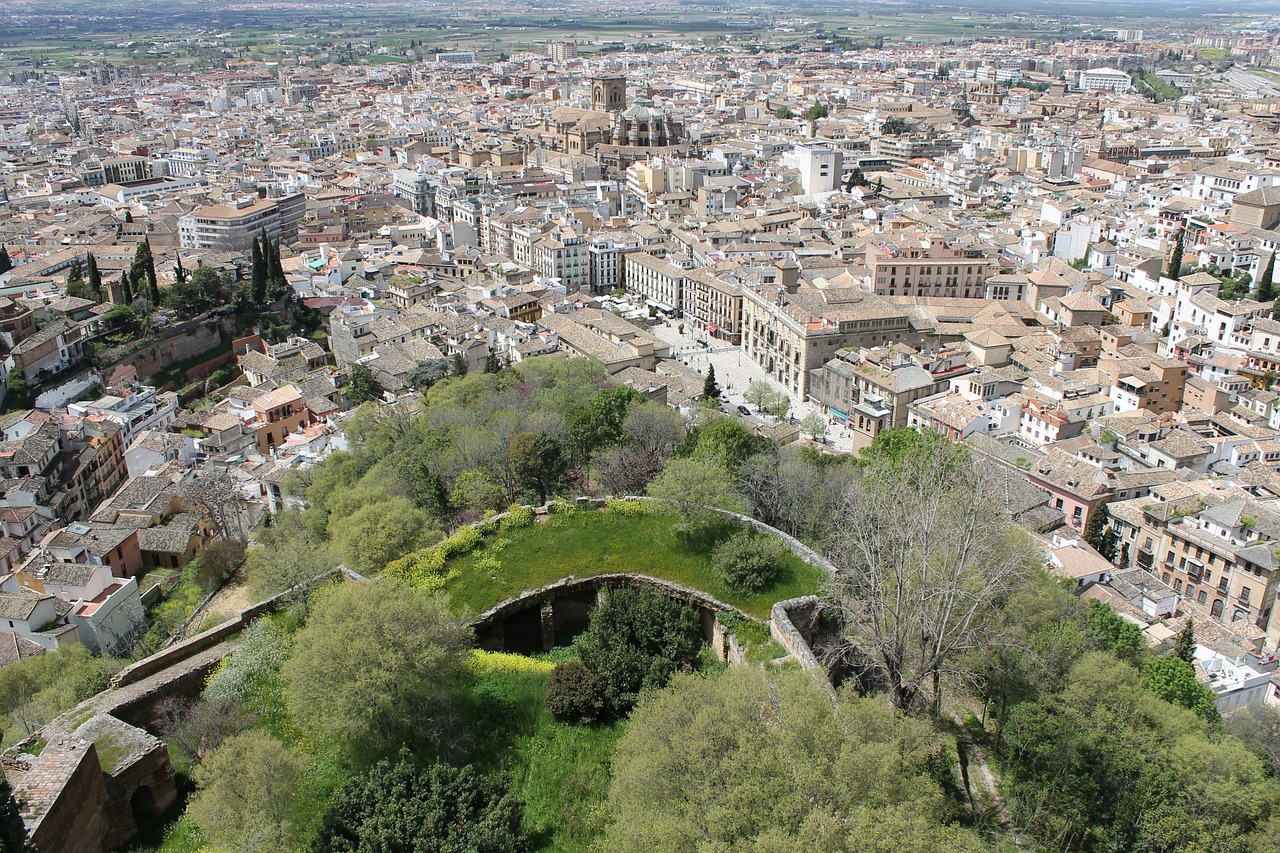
<point x="609" y="93"/>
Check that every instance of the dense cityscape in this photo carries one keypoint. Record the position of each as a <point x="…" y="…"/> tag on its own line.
<point x="679" y="428"/>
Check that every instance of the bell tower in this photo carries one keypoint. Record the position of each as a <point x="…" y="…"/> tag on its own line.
<point x="609" y="93"/>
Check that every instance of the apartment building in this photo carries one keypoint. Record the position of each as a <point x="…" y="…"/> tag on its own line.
<point x="713" y="303"/>
<point x="234" y="225"/>
<point x="927" y="267"/>
<point x="790" y="329"/>
<point x="1215" y="550"/>
<point x="659" y="281"/>
<point x="1139" y="380"/>
<point x="869" y="394"/>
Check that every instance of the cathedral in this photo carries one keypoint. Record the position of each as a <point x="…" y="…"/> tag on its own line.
<point x="611" y="123"/>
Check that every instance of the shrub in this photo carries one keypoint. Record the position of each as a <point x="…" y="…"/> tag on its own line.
<point x="463" y="541"/>
<point x="749" y="563"/>
<point x="517" y="516"/>
<point x="573" y="694"/>
<point x="629" y="507"/>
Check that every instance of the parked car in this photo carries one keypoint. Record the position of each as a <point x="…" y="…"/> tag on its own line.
<point x="744" y="411"/>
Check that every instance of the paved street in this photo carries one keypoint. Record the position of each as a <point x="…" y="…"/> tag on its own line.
<point x="734" y="371"/>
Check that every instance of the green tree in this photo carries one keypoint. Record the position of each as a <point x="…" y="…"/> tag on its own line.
<point x="727" y="440"/>
<point x="427" y="373"/>
<point x="245" y="791"/>
<point x="491" y="363"/>
<point x="1107" y="630"/>
<point x="816" y="112"/>
<point x="814" y="425"/>
<point x="711" y="388"/>
<point x="143" y="272"/>
<point x="748" y="562"/>
<point x="378" y="665"/>
<point x="1174" y="680"/>
<point x="537" y="463"/>
<point x="17" y="393"/>
<point x="784" y="113"/>
<point x="289" y="555"/>
<point x="573" y="694"/>
<point x="364" y="388"/>
<point x="765" y="761"/>
<point x="894" y="126"/>
<point x="458" y="365"/>
<point x="437" y="809"/>
<point x="6" y="263"/>
<point x="636" y="639"/>
<point x="1266" y="287"/>
<point x="95" y="278"/>
<point x="694" y="488"/>
<point x="205" y="290"/>
<point x="259" y="274"/>
<point x="476" y="491"/>
<point x="126" y="288"/>
<point x="758" y="393"/>
<point x="1175" y="259"/>
<point x="78" y="288"/>
<point x="381" y="529"/>
<point x="1184" y="645"/>
<point x="777" y="405"/>
<point x="1098" y="532"/>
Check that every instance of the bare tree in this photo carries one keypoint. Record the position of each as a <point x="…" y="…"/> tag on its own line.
<point x="924" y="557"/>
<point x="210" y="493"/>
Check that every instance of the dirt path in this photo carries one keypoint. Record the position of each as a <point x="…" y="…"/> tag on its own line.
<point x="231" y="599"/>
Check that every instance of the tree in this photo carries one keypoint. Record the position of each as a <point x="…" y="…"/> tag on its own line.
<point x="491" y="363"/>
<point x="437" y="809"/>
<point x="777" y="404"/>
<point x="128" y="216"/>
<point x="1175" y="260"/>
<point x="427" y="373"/>
<point x="626" y="470"/>
<point x="1258" y="727"/>
<point x="289" y="555"/>
<point x="711" y="388"/>
<point x="364" y="388"/>
<point x="758" y="393"/>
<point x="378" y="665"/>
<point x="894" y="126"/>
<point x="126" y="288"/>
<point x="1098" y="532"/>
<point x="924" y="556"/>
<point x="379" y="530"/>
<point x="458" y="365"/>
<point x="749" y="563"/>
<point x="259" y="274"/>
<point x="476" y="491"/>
<point x="537" y="463"/>
<point x="694" y="487"/>
<point x="244" y="793"/>
<point x="6" y="263"/>
<point x="78" y="288"/>
<point x="17" y="393"/>
<point x="814" y="425"/>
<point x="206" y="289"/>
<point x="1184" y="645"/>
<point x="757" y="760"/>
<point x="784" y="113"/>
<point x="1266" y="286"/>
<point x="728" y="440"/>
<point x="636" y="639"/>
<point x="1174" y="680"/>
<point x="816" y="112"/>
<point x="653" y="427"/>
<point x="573" y="694"/>
<point x="143" y="272"/>
<point x="95" y="278"/>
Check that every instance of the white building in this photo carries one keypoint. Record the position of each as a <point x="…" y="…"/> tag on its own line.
<point x="819" y="166"/>
<point x="1109" y="79"/>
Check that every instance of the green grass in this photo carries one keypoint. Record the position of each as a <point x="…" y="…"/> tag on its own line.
<point x="560" y="772"/>
<point x="586" y="543"/>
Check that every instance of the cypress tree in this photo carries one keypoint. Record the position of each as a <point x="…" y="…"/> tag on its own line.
<point x="259" y="274"/>
<point x="180" y="272"/>
<point x="95" y="277"/>
<point x="1175" y="260"/>
<point x="6" y="263"/>
<point x="128" y="216"/>
<point x="143" y="273"/>
<point x="1098" y="534"/>
<point x="711" y="388"/>
<point x="1184" y="646"/>
<point x="1266" y="287"/>
<point x="126" y="285"/>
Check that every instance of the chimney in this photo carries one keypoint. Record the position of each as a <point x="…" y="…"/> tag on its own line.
<point x="788" y="275"/>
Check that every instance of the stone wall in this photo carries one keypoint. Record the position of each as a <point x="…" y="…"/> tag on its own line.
<point x="64" y="797"/>
<point x="176" y="344"/>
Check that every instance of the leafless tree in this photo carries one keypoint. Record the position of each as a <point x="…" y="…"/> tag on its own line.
<point x="210" y="493"/>
<point x="925" y="557"/>
<point x="198" y="726"/>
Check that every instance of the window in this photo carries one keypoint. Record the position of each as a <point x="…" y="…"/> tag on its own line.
<point x="1177" y="585"/>
<point x="1216" y="609"/>
<point x="1201" y="596"/>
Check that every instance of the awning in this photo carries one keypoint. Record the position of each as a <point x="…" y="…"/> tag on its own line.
<point x="712" y="328"/>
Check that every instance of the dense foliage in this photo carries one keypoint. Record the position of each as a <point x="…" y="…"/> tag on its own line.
<point x="748" y="562"/>
<point x="635" y="641"/>
<point x="414" y="809"/>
